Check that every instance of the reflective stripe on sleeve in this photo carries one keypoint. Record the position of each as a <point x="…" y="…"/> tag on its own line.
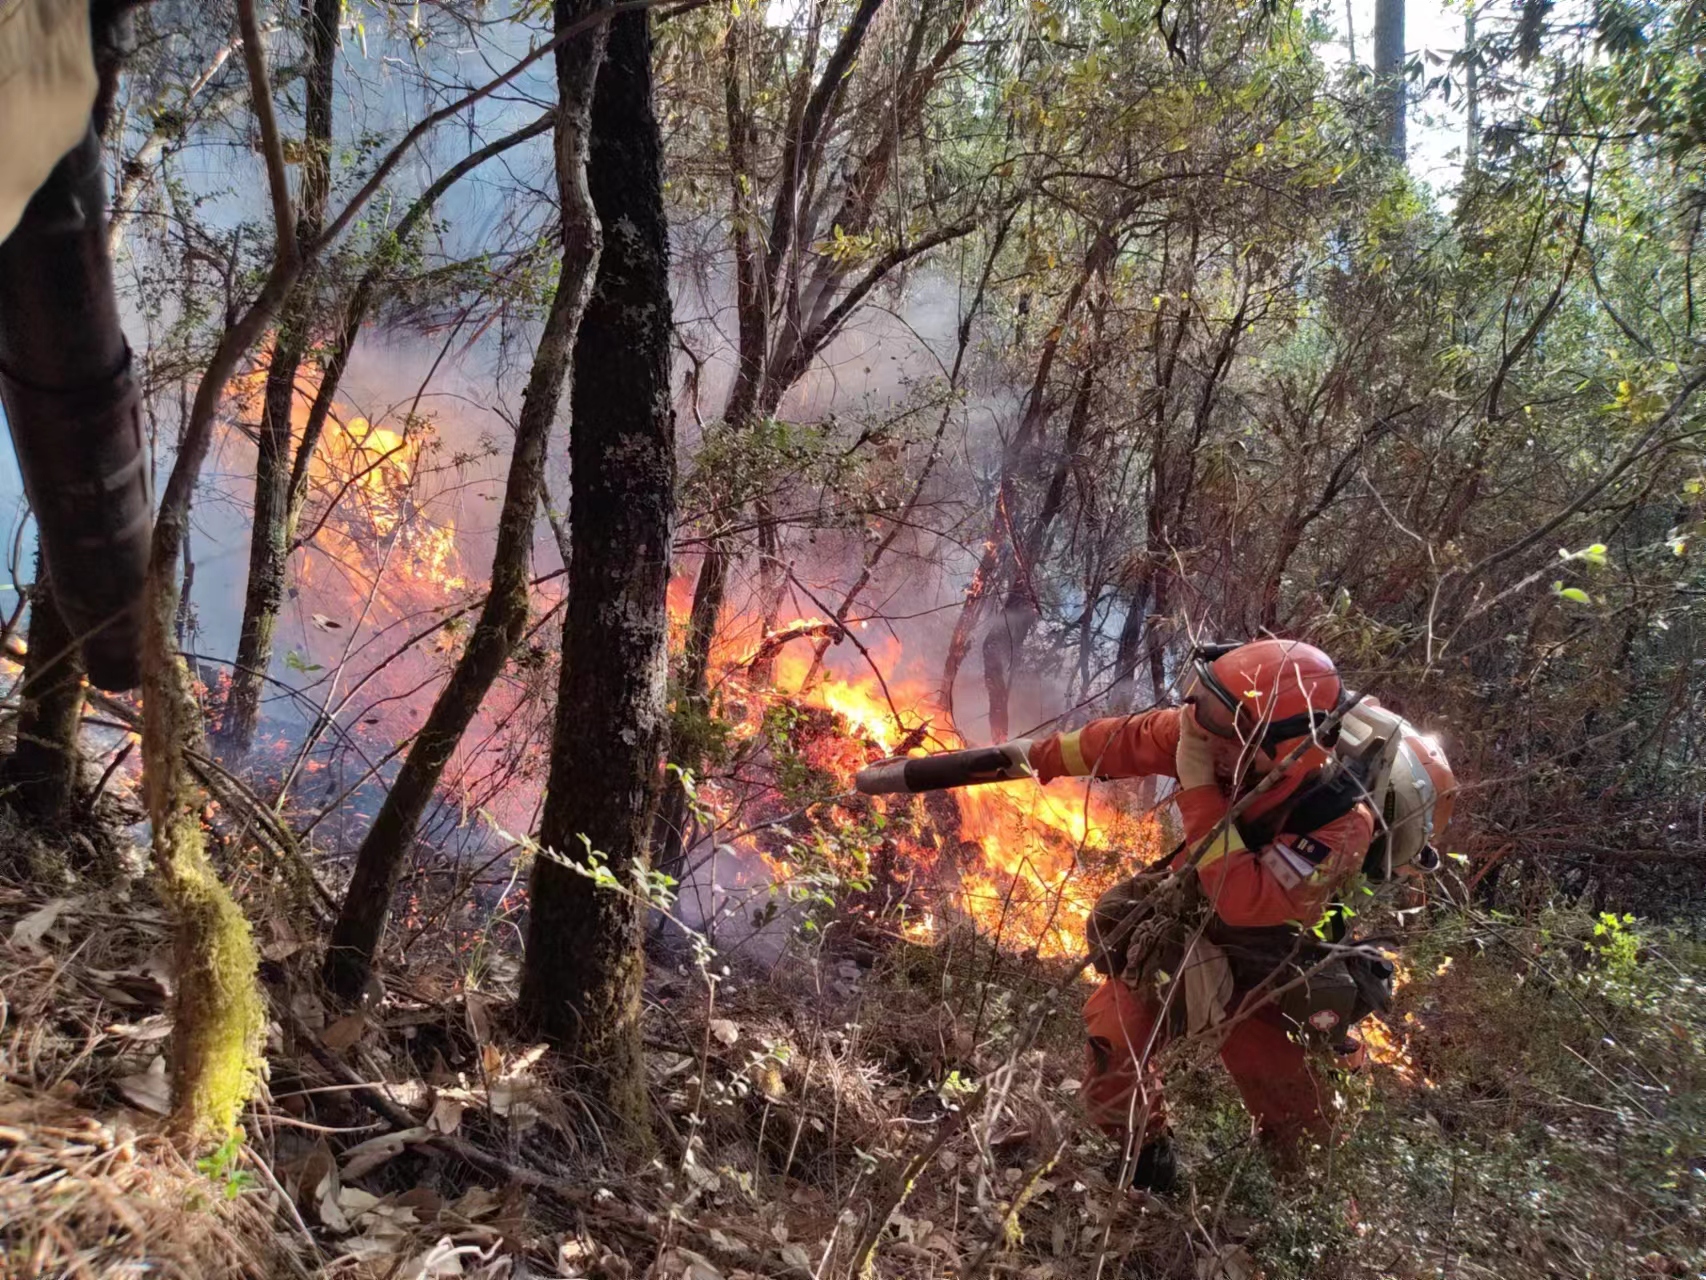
<point x="1217" y="847"/>
<point x="1072" y="754"/>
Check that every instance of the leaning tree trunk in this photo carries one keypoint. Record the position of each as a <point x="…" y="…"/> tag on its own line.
<point x="40" y="775"/>
<point x="581" y="978"/>
<point x="503" y="618"/>
<point x="269" y="539"/>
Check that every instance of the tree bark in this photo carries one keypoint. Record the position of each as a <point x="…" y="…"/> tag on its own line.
<point x="40" y="776"/>
<point x="1128" y="652"/>
<point x="584" y="963"/>
<point x="269" y="539"/>
<point x="503" y="618"/>
<point x="1389" y="73"/>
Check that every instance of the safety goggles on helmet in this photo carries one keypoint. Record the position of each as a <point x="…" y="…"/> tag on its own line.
<point x="1203" y="658"/>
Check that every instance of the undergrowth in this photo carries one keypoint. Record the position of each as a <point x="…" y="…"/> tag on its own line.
<point x="859" y="1105"/>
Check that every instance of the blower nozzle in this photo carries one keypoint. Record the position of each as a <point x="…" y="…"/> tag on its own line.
<point x="945" y="770"/>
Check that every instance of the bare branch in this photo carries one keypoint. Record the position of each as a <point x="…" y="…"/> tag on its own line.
<point x="260" y="92"/>
<point x="427" y="123"/>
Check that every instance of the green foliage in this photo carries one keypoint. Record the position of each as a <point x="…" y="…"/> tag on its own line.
<point x="697" y="732"/>
<point x="1547" y="1126"/>
<point x="221" y="1166"/>
<point x="800" y="781"/>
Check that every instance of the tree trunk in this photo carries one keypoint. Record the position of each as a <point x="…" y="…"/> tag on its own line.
<point x="1471" y="97"/>
<point x="581" y="980"/>
<point x="669" y="835"/>
<point x="40" y="775"/>
<point x="503" y="618"/>
<point x="1389" y="73"/>
<point x="269" y="539"/>
<point x="1004" y="643"/>
<point x="1128" y="652"/>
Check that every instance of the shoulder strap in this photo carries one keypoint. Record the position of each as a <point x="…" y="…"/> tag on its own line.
<point x="1323" y="801"/>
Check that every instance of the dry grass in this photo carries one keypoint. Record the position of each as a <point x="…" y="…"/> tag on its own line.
<point x="89" y="1186"/>
<point x="82" y="1196"/>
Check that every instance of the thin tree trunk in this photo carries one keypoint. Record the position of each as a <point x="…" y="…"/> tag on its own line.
<point x="669" y="835"/>
<point x="1471" y="97"/>
<point x="503" y="618"/>
<point x="1389" y="73"/>
<point x="40" y="776"/>
<point x="269" y="545"/>
<point x="1129" y="650"/>
<point x="581" y="979"/>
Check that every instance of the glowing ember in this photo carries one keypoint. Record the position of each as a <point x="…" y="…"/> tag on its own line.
<point x="1388" y="1045"/>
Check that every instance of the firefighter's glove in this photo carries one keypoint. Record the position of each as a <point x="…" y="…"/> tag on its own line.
<point x="1193" y="760"/>
<point x="1018" y="753"/>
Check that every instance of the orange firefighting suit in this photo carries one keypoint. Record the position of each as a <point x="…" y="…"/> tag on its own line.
<point x="1290" y="880"/>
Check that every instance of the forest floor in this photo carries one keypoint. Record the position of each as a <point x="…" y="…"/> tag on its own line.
<point x="861" y="1106"/>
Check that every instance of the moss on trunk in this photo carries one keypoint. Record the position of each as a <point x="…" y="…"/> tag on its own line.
<point x="217" y="1017"/>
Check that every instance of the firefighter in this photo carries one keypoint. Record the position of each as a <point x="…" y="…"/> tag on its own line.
<point x="1267" y="877"/>
<point x="1281" y="773"/>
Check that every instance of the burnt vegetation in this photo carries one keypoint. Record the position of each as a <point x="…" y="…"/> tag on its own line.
<point x="585" y="434"/>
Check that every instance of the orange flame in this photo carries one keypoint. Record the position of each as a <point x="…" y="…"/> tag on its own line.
<point x="379" y="560"/>
<point x="1029" y="860"/>
<point x="1024" y="863"/>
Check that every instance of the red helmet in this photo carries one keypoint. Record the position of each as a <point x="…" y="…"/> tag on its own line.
<point x="1272" y="690"/>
